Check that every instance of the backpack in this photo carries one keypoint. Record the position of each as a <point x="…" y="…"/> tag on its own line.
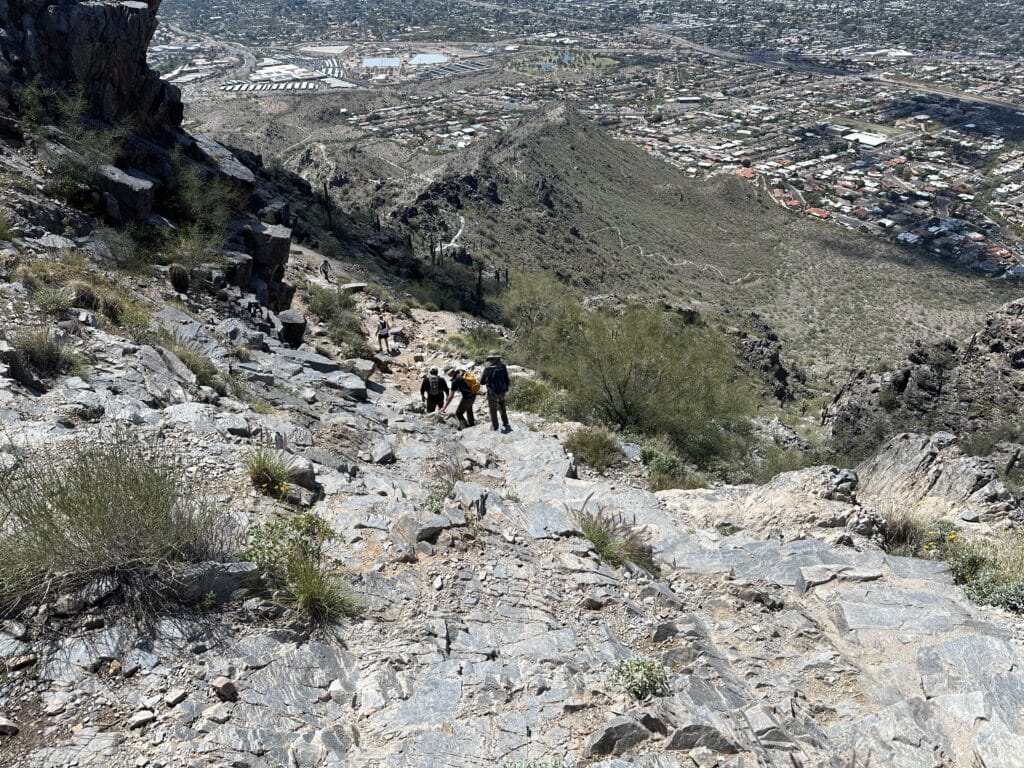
<point x="497" y="380"/>
<point x="434" y="385"/>
<point x="471" y="382"/>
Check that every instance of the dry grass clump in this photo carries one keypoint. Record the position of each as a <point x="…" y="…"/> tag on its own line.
<point x="268" y="470"/>
<point x="121" y="509"/>
<point x="617" y="540"/>
<point x="45" y="354"/>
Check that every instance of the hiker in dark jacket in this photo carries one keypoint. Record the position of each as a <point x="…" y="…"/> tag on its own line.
<point x="464" y="412"/>
<point x="495" y="378"/>
<point x="433" y="390"/>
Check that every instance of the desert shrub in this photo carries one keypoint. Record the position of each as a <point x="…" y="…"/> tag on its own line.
<point x="667" y="470"/>
<point x="991" y="570"/>
<point x="291" y="552"/>
<point x="771" y="460"/>
<point x="6" y="233"/>
<point x="445" y="473"/>
<point x="538" y="396"/>
<point x="639" y="369"/>
<point x="198" y="362"/>
<point x="336" y="308"/>
<point x="45" y="354"/>
<point x="640" y="677"/>
<point x="122" y="509"/>
<point x="329" y="303"/>
<point x="618" y="541"/>
<point x="888" y="398"/>
<point x="267" y="469"/>
<point x="983" y="443"/>
<point x="201" y="198"/>
<point x="596" y="446"/>
<point x="193" y="246"/>
<point x="855" y="440"/>
<point x="51" y="301"/>
<point x="477" y="342"/>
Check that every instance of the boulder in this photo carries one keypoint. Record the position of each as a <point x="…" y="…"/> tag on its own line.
<point x="129" y="194"/>
<point x="193" y="583"/>
<point x="269" y="244"/>
<point x="293" y="327"/>
<point x="615" y="737"/>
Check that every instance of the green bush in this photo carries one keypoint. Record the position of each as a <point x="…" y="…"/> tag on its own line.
<point x="201" y="198"/>
<point x="639" y="369"/>
<point x="535" y="395"/>
<point x="641" y="677"/>
<point x="329" y="303"/>
<point x="291" y="552"/>
<point x="336" y="308"/>
<point x="122" y="509"/>
<point x="668" y="470"/>
<point x="596" y="446"/>
<point x="47" y="356"/>
<point x="616" y="539"/>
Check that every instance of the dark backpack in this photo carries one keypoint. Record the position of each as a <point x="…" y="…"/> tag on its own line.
<point x="497" y="380"/>
<point x="434" y="385"/>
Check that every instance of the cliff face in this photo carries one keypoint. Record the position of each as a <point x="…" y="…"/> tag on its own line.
<point x="100" y="46"/>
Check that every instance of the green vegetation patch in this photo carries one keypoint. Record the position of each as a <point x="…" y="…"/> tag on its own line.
<point x="617" y="540"/>
<point x="991" y="570"/>
<point x="640" y="677"/>
<point x="595" y="446"/>
<point x="291" y="551"/>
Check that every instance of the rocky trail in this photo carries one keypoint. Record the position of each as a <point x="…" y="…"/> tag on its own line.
<point x="493" y="633"/>
<point x="491" y="623"/>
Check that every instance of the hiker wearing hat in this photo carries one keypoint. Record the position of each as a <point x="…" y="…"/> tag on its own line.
<point x="465" y="384"/>
<point x="433" y="390"/>
<point x="495" y="378"/>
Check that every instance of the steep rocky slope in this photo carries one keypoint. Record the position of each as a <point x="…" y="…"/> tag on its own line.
<point x="970" y="387"/>
<point x="99" y="47"/>
<point x="492" y="624"/>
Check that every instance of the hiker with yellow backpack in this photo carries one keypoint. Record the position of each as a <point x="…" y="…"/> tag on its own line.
<point x="464" y="383"/>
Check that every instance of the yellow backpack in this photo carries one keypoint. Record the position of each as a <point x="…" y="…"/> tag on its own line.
<point x="471" y="382"/>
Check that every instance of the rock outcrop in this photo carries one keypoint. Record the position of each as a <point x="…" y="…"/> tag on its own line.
<point x="97" y="46"/>
<point x="931" y="477"/>
<point x="976" y="387"/>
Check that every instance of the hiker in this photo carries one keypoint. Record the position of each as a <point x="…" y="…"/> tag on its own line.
<point x="465" y="384"/>
<point x="383" y="332"/>
<point x="495" y="378"/>
<point x="325" y="270"/>
<point x="433" y="390"/>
